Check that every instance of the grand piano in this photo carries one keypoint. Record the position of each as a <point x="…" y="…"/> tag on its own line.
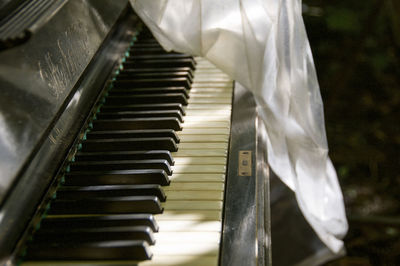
<point x="114" y="151"/>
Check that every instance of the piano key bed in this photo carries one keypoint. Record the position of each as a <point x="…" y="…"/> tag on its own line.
<point x="147" y="184"/>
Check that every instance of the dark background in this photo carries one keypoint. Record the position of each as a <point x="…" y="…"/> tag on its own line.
<point x="356" y="47"/>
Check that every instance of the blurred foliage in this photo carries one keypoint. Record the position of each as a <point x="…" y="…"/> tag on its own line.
<point x="356" y="46"/>
<point x="342" y="20"/>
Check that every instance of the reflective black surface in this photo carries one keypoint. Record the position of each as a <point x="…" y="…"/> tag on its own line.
<point x="36" y="79"/>
<point x="246" y="233"/>
<point x="37" y="125"/>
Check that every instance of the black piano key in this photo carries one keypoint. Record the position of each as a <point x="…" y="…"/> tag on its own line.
<point x="117" y="177"/>
<point x="107" y="205"/>
<point x="136" y="91"/>
<point x="142" y="49"/>
<point x="143" y="107"/>
<point x="147" y="41"/>
<point x="140" y="114"/>
<point x="158" y="133"/>
<point x="148" y="45"/>
<point x="161" y="63"/>
<point x="147" y="37"/>
<point x="126" y="144"/>
<point x="58" y="235"/>
<point x="83" y="192"/>
<point x="121" y="165"/>
<point x="148" y="98"/>
<point x="126" y="74"/>
<point x="124" y="155"/>
<point x="104" y="250"/>
<point x="155" y="71"/>
<point x="155" y="82"/>
<point x="142" y="43"/>
<point x="100" y="221"/>
<point x="170" y="56"/>
<point x="137" y="123"/>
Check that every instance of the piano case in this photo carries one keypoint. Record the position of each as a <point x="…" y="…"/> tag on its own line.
<point x="91" y="117"/>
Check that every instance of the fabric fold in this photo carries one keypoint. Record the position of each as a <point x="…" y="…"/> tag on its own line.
<point x="263" y="45"/>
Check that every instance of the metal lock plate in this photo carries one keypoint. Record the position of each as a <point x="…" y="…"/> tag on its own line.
<point x="245" y="168"/>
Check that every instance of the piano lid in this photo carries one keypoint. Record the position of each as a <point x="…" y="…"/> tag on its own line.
<point x="37" y="78"/>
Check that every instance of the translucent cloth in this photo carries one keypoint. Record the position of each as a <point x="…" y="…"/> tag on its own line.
<point x="263" y="45"/>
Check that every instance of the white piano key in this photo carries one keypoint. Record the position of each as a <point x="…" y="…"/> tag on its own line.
<point x="199" y="160"/>
<point x="190" y="215"/>
<point x="201" y="65"/>
<point x="210" y="94"/>
<point x="202" y="145"/>
<point x="216" y="84"/>
<point x="211" y="124"/>
<point x="194" y="195"/>
<point x="210" y="186"/>
<point x="211" y="73"/>
<point x="223" y="85"/>
<point x="195" y="91"/>
<point x="206" y="65"/>
<point x="192" y="205"/>
<point x="209" y="106"/>
<point x="219" y="82"/>
<point x="187" y="237"/>
<point x="213" y="94"/>
<point x="215" y="79"/>
<point x="202" y="61"/>
<point x="206" y="100"/>
<point x="189" y="226"/>
<point x="200" y="153"/>
<point x="162" y="260"/>
<point x="207" y="115"/>
<point x="200" y="77"/>
<point x="204" y="131"/>
<point x="205" y="112"/>
<point x="208" y="79"/>
<point x="213" y="76"/>
<point x="77" y="263"/>
<point x="205" y="69"/>
<point x="184" y="177"/>
<point x="186" y="249"/>
<point x="204" y="120"/>
<point x="192" y="169"/>
<point x="188" y="260"/>
<point x="204" y="138"/>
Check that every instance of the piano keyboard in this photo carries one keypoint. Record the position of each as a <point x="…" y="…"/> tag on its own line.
<point x="190" y="227"/>
<point x="111" y="206"/>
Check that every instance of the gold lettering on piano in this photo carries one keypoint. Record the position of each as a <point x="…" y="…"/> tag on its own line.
<point x="245" y="163"/>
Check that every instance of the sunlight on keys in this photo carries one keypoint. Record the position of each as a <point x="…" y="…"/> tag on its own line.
<point x="190" y="227"/>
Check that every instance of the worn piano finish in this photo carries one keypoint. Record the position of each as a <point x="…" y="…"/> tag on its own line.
<point x="45" y="112"/>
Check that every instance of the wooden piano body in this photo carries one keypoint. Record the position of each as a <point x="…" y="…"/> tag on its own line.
<point x="53" y="82"/>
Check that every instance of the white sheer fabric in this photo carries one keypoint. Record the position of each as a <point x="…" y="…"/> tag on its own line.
<point x="263" y="45"/>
